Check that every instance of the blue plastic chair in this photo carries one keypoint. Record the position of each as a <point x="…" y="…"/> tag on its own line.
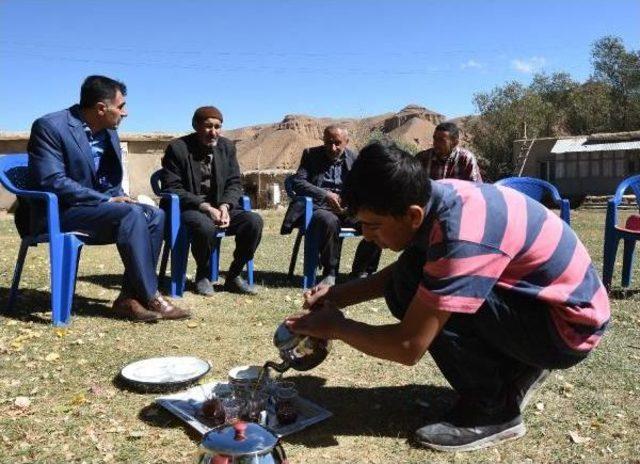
<point x="177" y="241"/>
<point x="538" y="189"/>
<point x="311" y="246"/>
<point x="64" y="248"/>
<point x="614" y="233"/>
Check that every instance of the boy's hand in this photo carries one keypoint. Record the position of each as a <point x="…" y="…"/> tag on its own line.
<point x="314" y="297"/>
<point x="320" y="324"/>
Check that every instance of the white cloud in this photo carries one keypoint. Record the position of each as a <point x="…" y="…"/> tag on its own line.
<point x="527" y="66"/>
<point x="471" y="64"/>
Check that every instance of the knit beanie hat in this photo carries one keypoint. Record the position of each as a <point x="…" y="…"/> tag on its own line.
<point x="205" y="112"/>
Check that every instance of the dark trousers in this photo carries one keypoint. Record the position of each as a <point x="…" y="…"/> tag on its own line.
<point x="245" y="225"/>
<point x="325" y="226"/>
<point x="480" y="354"/>
<point x="136" y="229"/>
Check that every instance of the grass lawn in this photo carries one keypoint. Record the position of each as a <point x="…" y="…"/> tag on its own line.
<point x="74" y="411"/>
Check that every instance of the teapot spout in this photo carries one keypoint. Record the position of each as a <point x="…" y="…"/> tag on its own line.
<point x="280" y="368"/>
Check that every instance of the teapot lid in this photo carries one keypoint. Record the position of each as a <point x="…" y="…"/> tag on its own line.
<point x="239" y="439"/>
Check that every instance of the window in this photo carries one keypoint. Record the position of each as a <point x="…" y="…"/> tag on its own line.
<point x="619" y="164"/>
<point x="543" y="171"/>
<point x="571" y="166"/>
<point x="607" y="164"/>
<point x="595" y="162"/>
<point x="560" y="163"/>
<point x="583" y="165"/>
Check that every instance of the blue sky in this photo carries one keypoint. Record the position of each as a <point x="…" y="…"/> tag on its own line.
<point x="259" y="60"/>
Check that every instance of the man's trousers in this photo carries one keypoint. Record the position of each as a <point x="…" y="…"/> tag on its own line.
<point x="245" y="225"/>
<point x="136" y="229"/>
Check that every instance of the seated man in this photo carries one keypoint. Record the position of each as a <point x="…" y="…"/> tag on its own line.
<point x="447" y="160"/>
<point x="321" y="176"/>
<point x="202" y="169"/>
<point x="75" y="153"/>
<point x="495" y="286"/>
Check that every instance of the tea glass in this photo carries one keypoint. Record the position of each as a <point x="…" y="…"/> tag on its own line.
<point x="232" y="408"/>
<point x="286" y="410"/>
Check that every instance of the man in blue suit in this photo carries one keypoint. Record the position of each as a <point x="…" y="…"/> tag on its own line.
<point x="75" y="153"/>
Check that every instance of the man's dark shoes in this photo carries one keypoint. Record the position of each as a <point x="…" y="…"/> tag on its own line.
<point x="240" y="286"/>
<point x="166" y="309"/>
<point x="468" y="429"/>
<point x="204" y="287"/>
<point x="130" y="308"/>
<point x="526" y="383"/>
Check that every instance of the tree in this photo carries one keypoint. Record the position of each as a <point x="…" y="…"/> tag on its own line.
<point x="620" y="70"/>
<point x="589" y="109"/>
<point x="508" y="113"/>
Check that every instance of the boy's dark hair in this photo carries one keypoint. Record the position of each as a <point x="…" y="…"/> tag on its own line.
<point x="385" y="180"/>
<point x="98" y="89"/>
<point x="451" y="127"/>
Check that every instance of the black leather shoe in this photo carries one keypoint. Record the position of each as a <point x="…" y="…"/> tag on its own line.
<point x="240" y="286"/>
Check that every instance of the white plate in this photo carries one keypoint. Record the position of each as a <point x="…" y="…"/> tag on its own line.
<point x="245" y="373"/>
<point x="168" y="370"/>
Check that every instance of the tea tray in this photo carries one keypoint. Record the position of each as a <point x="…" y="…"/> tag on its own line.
<point x="187" y="406"/>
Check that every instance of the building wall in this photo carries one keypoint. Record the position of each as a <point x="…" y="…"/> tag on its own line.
<point x="142" y="155"/>
<point x="579" y="174"/>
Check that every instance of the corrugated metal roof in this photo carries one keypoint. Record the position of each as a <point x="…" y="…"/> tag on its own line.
<point x="577" y="144"/>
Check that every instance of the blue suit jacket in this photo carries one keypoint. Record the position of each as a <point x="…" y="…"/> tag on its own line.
<point x="61" y="161"/>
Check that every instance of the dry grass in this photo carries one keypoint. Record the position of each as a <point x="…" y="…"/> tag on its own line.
<point x="78" y="414"/>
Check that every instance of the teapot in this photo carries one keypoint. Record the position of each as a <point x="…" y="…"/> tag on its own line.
<point x="299" y="352"/>
<point x="241" y="443"/>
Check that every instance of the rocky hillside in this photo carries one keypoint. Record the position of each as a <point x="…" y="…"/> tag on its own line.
<point x="279" y="146"/>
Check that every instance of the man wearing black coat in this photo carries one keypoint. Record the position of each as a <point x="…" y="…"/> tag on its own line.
<point x="321" y="175"/>
<point x="202" y="169"/>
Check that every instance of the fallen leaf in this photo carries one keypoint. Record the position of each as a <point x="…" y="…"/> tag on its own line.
<point x="137" y="434"/>
<point x="10" y="323"/>
<point x="22" y="402"/>
<point x="79" y="399"/>
<point x="60" y="333"/>
<point x="192" y="325"/>
<point x="577" y="439"/>
<point x="540" y="406"/>
<point x="287" y="298"/>
<point x="52" y="357"/>
<point x="77" y="342"/>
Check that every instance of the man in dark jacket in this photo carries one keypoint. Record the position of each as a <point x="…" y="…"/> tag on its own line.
<point x="202" y="169"/>
<point x="321" y="175"/>
<point x="75" y="153"/>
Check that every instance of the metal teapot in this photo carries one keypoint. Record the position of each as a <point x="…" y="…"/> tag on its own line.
<point x="299" y="352"/>
<point x="241" y="443"/>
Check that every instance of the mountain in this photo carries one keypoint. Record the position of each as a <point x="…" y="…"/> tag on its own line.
<point x="280" y="145"/>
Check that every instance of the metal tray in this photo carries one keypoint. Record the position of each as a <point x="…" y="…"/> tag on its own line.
<point x="187" y="405"/>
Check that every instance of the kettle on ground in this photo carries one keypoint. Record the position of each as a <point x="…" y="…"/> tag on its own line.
<point x="241" y="443"/>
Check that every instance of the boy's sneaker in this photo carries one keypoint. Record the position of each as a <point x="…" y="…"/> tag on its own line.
<point x="444" y="436"/>
<point x="526" y="383"/>
<point x="468" y="427"/>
